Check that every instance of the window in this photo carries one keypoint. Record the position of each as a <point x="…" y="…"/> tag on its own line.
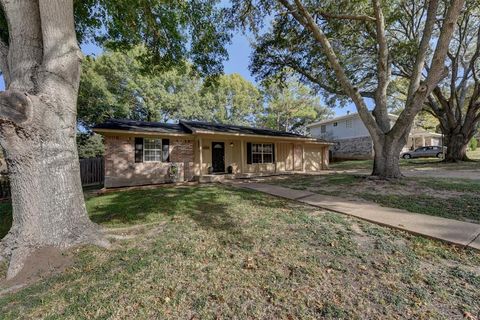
<point x="152" y="150"/>
<point x="335" y="124"/>
<point x="323" y="128"/>
<point x="262" y="153"/>
<point x="348" y="123"/>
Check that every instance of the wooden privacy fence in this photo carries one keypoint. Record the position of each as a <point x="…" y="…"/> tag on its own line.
<point x="91" y="173"/>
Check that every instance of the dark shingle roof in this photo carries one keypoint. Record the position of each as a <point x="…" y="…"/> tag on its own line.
<point x="225" y="128"/>
<point x="134" y="125"/>
<point x="188" y="126"/>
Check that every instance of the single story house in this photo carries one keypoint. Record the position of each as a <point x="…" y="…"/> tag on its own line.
<point x="141" y="153"/>
<point x="352" y="140"/>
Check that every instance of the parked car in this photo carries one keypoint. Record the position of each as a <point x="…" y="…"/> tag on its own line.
<point x="424" y="152"/>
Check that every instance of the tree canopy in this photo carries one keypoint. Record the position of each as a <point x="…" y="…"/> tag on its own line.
<point x="291" y="106"/>
<point x="350" y="48"/>
<point x="116" y="85"/>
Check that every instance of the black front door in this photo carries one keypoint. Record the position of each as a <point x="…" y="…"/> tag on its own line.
<point x="218" y="156"/>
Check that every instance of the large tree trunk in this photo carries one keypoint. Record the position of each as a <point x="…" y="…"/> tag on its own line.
<point x="37" y="132"/>
<point x="47" y="198"/>
<point x="457" y="144"/>
<point x="386" y="158"/>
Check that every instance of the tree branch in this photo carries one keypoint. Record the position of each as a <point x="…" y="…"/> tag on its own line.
<point x="418" y="93"/>
<point x="362" y="17"/>
<point x="25" y="48"/>
<point x="305" y="19"/>
<point x="383" y="70"/>
<point x="416" y="74"/>
<point x="62" y="56"/>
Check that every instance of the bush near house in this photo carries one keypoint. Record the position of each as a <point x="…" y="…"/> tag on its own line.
<point x="473" y="144"/>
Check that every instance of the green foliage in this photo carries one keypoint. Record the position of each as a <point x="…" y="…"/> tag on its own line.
<point x="286" y="45"/>
<point x="172" y="31"/>
<point x="473" y="144"/>
<point x="116" y="85"/>
<point x="89" y="145"/>
<point x="291" y="106"/>
<point x="232" y="99"/>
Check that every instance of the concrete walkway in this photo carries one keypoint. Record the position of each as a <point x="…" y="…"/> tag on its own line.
<point x="453" y="231"/>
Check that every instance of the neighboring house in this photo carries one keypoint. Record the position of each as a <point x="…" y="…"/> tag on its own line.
<point x="352" y="139"/>
<point x="140" y="153"/>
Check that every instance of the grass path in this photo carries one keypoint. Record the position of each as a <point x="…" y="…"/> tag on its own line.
<point x="216" y="252"/>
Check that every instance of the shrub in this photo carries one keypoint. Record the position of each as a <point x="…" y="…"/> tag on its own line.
<point x="473" y="144"/>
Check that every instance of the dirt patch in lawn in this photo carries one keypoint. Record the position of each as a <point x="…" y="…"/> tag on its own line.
<point x="40" y="264"/>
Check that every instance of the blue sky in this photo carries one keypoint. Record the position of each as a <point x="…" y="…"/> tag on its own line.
<point x="239" y="58"/>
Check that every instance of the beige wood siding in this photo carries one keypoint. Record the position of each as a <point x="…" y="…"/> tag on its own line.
<point x="314" y="157"/>
<point x="284" y="157"/>
<point x="298" y="157"/>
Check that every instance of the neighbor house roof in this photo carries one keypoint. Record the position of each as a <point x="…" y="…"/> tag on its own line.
<point x="347" y="116"/>
<point x="193" y="127"/>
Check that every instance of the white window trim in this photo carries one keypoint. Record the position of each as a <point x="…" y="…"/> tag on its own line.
<point x="262" y="153"/>
<point x="161" y="150"/>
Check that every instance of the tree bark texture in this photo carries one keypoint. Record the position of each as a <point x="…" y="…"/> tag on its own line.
<point x="456" y="148"/>
<point x="38" y="129"/>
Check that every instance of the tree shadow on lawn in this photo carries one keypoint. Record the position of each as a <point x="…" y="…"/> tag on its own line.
<point x="211" y="207"/>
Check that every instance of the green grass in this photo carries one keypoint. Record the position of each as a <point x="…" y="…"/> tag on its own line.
<point x="460" y="185"/>
<point x="461" y="208"/>
<point x="450" y="198"/>
<point x="413" y="163"/>
<point x="217" y="252"/>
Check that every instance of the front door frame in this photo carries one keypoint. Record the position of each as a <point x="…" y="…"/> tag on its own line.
<point x="215" y="170"/>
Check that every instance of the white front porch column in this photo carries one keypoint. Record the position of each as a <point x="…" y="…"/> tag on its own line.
<point x="303" y="157"/>
<point x="275" y="156"/>
<point x="200" y="150"/>
<point x="423" y="141"/>
<point x="242" y="155"/>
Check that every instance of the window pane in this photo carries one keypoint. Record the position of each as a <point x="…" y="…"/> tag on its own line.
<point x="257" y="158"/>
<point x="267" y="148"/>
<point x="257" y="147"/>
<point x="267" y="158"/>
<point x="153" y="149"/>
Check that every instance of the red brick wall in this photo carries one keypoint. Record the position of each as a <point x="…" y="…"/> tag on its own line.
<point x="121" y="169"/>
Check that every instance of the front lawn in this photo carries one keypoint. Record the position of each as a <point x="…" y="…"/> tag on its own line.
<point x="450" y="198"/>
<point x="214" y="252"/>
<point x="421" y="163"/>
